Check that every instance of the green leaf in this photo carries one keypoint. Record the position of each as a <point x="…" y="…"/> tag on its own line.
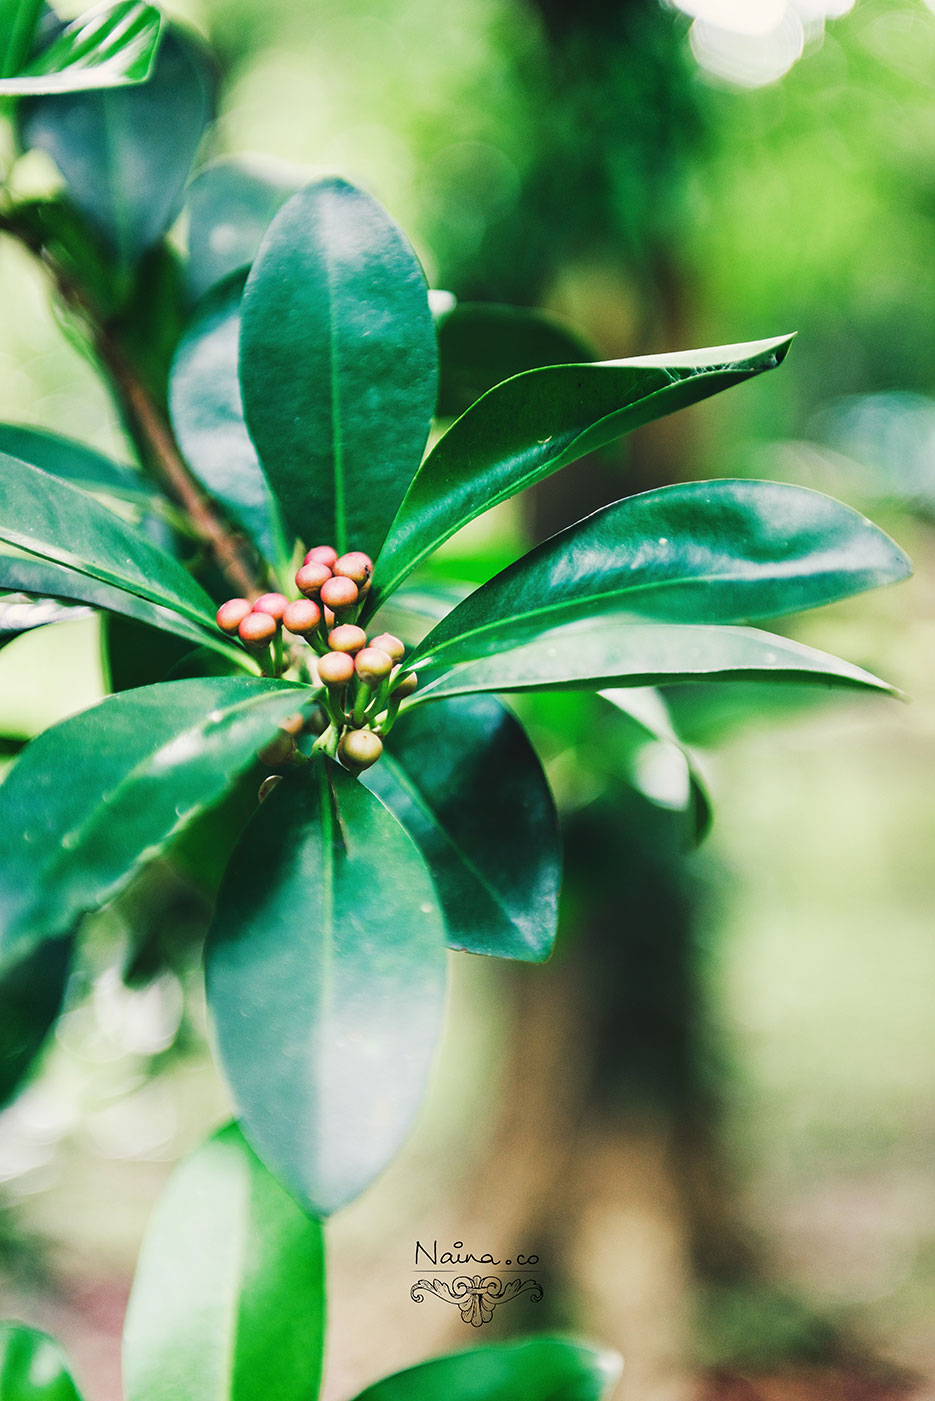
<point x="18" y="615"/>
<point x="31" y="995"/>
<point x="33" y="576"/>
<point x="18" y="21"/>
<point x="125" y="154"/>
<point x="95" y="797"/>
<point x="111" y="46"/>
<point x="663" y="768"/>
<point x="338" y="364"/>
<point x="33" y="1366"/>
<point x="228" y="1301"/>
<point x="469" y="789"/>
<point x="703" y="552"/>
<point x="616" y="651"/>
<point x="526" y="429"/>
<point x="325" y="974"/>
<point x="207" y="415"/>
<point x="480" y="344"/>
<point x="136" y="655"/>
<point x="46" y="517"/>
<point x="230" y="204"/>
<point x="539" y="1369"/>
<point x="76" y="463"/>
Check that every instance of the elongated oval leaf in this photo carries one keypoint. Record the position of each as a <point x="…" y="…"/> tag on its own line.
<point x="53" y="581"/>
<point x="325" y="974"/>
<point x="110" y="46"/>
<point x="527" y="428"/>
<point x="33" y="1366"/>
<point x="93" y="798"/>
<point x="228" y="1300"/>
<point x="338" y="364"/>
<point x="18" y="21"/>
<point x="703" y="552"/>
<point x="617" y="651"/>
<point x="47" y="517"/>
<point x="125" y="154"/>
<point x="230" y="204"/>
<point x="468" y="787"/>
<point x="76" y="463"/>
<point x="538" y="1369"/>
<point x="207" y="415"/>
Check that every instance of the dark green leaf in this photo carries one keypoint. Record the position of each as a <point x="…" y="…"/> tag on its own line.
<point x="207" y="414"/>
<point x="482" y="344"/>
<point x="33" y="1366"/>
<point x="616" y="651"/>
<point x="228" y="1300"/>
<point x="111" y="46"/>
<point x="34" y="576"/>
<point x="325" y="973"/>
<point x="75" y="463"/>
<point x="230" y="205"/>
<point x="136" y="655"/>
<point x="92" y="799"/>
<point x="31" y="996"/>
<point x="468" y="787"/>
<point x="662" y="768"/>
<point x="18" y="20"/>
<point x="125" y="154"/>
<point x="529" y="427"/>
<point x="540" y="1369"/>
<point x="338" y="364"/>
<point x="703" y="552"/>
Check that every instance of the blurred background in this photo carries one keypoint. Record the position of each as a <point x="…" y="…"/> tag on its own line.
<point x="713" y="1115"/>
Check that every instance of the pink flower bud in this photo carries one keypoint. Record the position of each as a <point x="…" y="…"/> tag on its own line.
<point x="339" y="592"/>
<point x="275" y="604"/>
<point x="357" y="566"/>
<point x="322" y="554"/>
<point x="310" y="577"/>
<point x="232" y="613"/>
<point x="347" y="638"/>
<point x="257" y="629"/>
<point x="359" y="749"/>
<point x="373" y="665"/>
<point x="390" y="645"/>
<point x="301" y="617"/>
<point x="335" y="669"/>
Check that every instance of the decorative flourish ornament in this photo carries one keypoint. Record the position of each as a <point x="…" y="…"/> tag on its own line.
<point x="475" y="1296"/>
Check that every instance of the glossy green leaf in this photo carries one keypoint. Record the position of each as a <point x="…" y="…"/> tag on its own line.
<point x="230" y="204"/>
<point x="468" y="787"/>
<point x="19" y="615"/>
<point x="125" y="153"/>
<point x="480" y="344"/>
<point x="46" y="517"/>
<point x="325" y="975"/>
<point x="539" y="1369"/>
<point x="18" y="21"/>
<point x="111" y="46"/>
<point x="92" y="799"/>
<point x="33" y="1366"/>
<point x="616" y="651"/>
<point x="53" y="581"/>
<point x="207" y="415"/>
<point x="31" y="995"/>
<point x="76" y="463"/>
<point x="702" y="552"/>
<point x="663" y="769"/>
<point x="228" y="1300"/>
<point x="136" y="655"/>
<point x="527" y="428"/>
<point x="338" y="364"/>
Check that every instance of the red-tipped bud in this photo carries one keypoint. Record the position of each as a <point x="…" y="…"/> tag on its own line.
<point x="310" y="577"/>
<point x="405" y="687"/>
<point x="275" y="604"/>
<point x="279" y="752"/>
<point x="373" y="665"/>
<point x="322" y="554"/>
<point x="301" y="617"/>
<point x="335" y="669"/>
<point x="389" y="644"/>
<point x="268" y="784"/>
<point x="359" y="749"/>
<point x="339" y="592"/>
<point x="232" y="613"/>
<point x="257" y="629"/>
<point x="347" y="638"/>
<point x="357" y="566"/>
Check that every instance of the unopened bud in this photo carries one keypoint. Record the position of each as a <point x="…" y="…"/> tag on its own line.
<point x="389" y="644"/>
<point x="232" y="613"/>
<point x="335" y="668"/>
<point x="359" y="749"/>
<point x="301" y="617"/>
<point x="294" y="724"/>
<point x="256" y="629"/>
<point x="322" y="554"/>
<point x="310" y="577"/>
<point x="268" y="784"/>
<point x="373" y="665"/>
<point x="339" y="592"/>
<point x="348" y="637"/>
<point x="279" y="752"/>
<point x="275" y="604"/>
<point x="406" y="686"/>
<point x="355" y="565"/>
